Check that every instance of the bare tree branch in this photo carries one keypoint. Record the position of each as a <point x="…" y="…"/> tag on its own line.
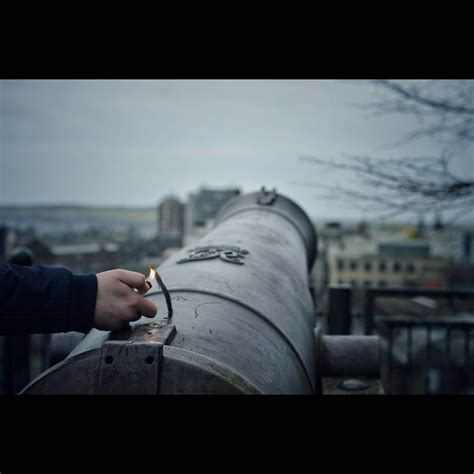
<point x="403" y="185"/>
<point x="414" y="94"/>
<point x="445" y="111"/>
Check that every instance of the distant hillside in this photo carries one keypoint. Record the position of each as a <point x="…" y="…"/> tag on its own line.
<point x="56" y="218"/>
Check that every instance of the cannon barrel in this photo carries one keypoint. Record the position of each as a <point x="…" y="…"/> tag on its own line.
<point x="242" y="320"/>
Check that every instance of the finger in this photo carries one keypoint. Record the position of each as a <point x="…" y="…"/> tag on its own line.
<point x="119" y="324"/>
<point x="134" y="317"/>
<point x="146" y="307"/>
<point x="133" y="279"/>
<point x="144" y="289"/>
<point x="130" y="314"/>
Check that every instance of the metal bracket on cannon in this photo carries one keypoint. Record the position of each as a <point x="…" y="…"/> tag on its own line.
<point x="131" y="364"/>
<point x="266" y="198"/>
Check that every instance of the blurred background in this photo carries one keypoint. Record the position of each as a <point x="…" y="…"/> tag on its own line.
<point x="102" y="174"/>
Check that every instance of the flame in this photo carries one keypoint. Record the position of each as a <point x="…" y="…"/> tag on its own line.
<point x="152" y="274"/>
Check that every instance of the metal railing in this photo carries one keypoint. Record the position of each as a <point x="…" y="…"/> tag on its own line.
<point x="402" y="292"/>
<point x="420" y="354"/>
<point x="427" y="355"/>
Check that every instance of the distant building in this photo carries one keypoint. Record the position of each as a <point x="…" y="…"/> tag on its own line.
<point x="332" y="230"/>
<point x="171" y="222"/>
<point x="80" y="258"/>
<point x="85" y="258"/>
<point x="204" y="205"/>
<point x="202" y="208"/>
<point x="462" y="276"/>
<point x="404" y="249"/>
<point x="369" y="264"/>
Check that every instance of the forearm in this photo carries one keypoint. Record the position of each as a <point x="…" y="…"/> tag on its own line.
<point x="45" y="300"/>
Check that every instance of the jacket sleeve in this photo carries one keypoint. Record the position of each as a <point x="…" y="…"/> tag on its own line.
<point x="40" y="300"/>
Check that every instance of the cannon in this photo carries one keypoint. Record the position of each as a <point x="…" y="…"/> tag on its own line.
<point x="242" y="319"/>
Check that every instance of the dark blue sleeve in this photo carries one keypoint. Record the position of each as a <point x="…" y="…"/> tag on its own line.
<point x="40" y="300"/>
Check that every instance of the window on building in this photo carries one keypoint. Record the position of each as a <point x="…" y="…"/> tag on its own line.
<point x="382" y="266"/>
<point x="367" y="283"/>
<point x="353" y="284"/>
<point x="368" y="266"/>
<point x="396" y="267"/>
<point x="353" y="265"/>
<point x="410" y="268"/>
<point x="340" y="282"/>
<point x="340" y="264"/>
<point x="382" y="283"/>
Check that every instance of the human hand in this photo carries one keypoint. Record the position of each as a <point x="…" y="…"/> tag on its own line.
<point x="117" y="303"/>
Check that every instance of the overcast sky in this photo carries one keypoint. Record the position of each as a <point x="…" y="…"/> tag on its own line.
<point x="133" y="142"/>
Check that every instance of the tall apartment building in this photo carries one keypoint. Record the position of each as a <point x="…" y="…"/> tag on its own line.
<point x="171" y="222"/>
<point x="202" y="208"/>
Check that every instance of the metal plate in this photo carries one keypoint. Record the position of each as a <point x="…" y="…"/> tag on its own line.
<point x="130" y="362"/>
<point x="128" y="368"/>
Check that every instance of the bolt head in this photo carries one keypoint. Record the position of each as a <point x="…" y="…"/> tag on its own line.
<point x="353" y="385"/>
